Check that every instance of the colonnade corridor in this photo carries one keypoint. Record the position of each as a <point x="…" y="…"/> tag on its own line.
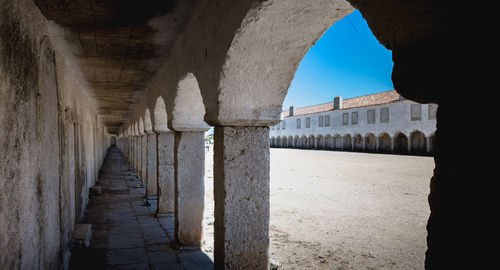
<point x="126" y="234"/>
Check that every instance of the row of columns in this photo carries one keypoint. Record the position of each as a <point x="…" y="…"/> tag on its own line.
<point x="420" y="144"/>
<point x="172" y="167"/>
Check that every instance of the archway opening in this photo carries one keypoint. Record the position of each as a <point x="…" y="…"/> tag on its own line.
<point x="401" y="143"/>
<point x="418" y="143"/>
<point x="363" y="122"/>
<point x="370" y="143"/>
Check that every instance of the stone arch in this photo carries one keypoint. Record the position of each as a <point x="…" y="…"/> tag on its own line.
<point x="347" y="142"/>
<point x="370" y="142"/>
<point x="135" y="128"/>
<point x="188" y="111"/>
<point x="296" y="142"/>
<point x="418" y="143"/>
<point x="320" y="143"/>
<point x="338" y="143"/>
<point x="385" y="143"/>
<point x="400" y="143"/>
<point x="303" y="142"/>
<point x="148" y="125"/>
<point x="357" y="142"/>
<point x="264" y="42"/>
<point x="311" y="142"/>
<point x="160" y="118"/>
<point x="329" y="144"/>
<point x="284" y="142"/>
<point x="140" y="126"/>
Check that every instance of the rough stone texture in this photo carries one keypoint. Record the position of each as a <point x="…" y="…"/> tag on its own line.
<point x="241" y="193"/>
<point x="144" y="160"/>
<point x="50" y="141"/>
<point x="166" y="174"/>
<point x="189" y="157"/>
<point x="138" y="157"/>
<point x="152" y="166"/>
<point x="243" y="55"/>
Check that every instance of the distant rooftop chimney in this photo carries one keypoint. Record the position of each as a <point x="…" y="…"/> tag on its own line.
<point x="337" y="103"/>
<point x="290" y="112"/>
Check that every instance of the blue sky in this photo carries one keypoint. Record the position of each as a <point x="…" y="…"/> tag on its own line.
<point x="347" y="61"/>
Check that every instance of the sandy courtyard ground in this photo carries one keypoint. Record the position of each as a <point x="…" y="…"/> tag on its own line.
<point x="343" y="210"/>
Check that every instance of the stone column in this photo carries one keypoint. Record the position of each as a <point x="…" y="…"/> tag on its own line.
<point x="144" y="160"/>
<point x="241" y="191"/>
<point x="189" y="154"/>
<point x="133" y="154"/>
<point x="428" y="144"/>
<point x="130" y="151"/>
<point x="138" y="151"/>
<point x="151" y="168"/>
<point x="166" y="174"/>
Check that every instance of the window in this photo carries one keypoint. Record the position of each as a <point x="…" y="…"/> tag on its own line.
<point x="370" y="116"/>
<point x="345" y="119"/>
<point x="432" y="111"/>
<point x="320" y="121"/>
<point x="308" y="122"/>
<point x="298" y="123"/>
<point x="384" y="115"/>
<point x="283" y="125"/>
<point x="327" y="120"/>
<point x="416" y="112"/>
<point x="354" y="118"/>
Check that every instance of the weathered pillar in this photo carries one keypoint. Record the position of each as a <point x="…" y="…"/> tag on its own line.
<point x="143" y="160"/>
<point x="189" y="154"/>
<point x="166" y="174"/>
<point x="151" y="167"/>
<point x="132" y="153"/>
<point x="241" y="191"/>
<point x="129" y="153"/>
<point x="138" y="151"/>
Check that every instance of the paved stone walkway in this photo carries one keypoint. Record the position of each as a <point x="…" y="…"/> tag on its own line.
<point x="125" y="232"/>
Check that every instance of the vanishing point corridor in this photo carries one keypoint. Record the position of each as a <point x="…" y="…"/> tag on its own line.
<point x="88" y="84"/>
<point x="125" y="232"/>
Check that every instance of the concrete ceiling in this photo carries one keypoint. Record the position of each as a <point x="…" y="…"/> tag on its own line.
<point x="119" y="44"/>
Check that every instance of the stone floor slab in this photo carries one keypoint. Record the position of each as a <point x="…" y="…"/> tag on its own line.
<point x="126" y="234"/>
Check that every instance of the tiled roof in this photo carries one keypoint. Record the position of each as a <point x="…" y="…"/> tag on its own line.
<point x="368" y="100"/>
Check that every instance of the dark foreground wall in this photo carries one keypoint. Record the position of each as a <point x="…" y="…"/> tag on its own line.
<point x="48" y="144"/>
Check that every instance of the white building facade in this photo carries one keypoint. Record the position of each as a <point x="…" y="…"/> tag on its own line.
<point x="382" y="122"/>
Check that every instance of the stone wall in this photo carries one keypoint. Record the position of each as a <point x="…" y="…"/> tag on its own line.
<point x="52" y="142"/>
